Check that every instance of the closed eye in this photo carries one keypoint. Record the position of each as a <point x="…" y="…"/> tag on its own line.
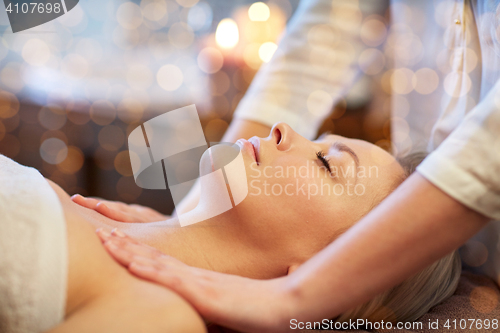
<point x="321" y="156"/>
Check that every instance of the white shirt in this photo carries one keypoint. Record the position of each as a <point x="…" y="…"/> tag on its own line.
<point x="442" y="63"/>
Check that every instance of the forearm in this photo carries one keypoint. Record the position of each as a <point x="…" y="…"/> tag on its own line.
<point x="411" y="229"/>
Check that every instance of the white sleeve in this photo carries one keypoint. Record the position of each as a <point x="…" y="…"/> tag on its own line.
<point x="467" y="164"/>
<point x="315" y="65"/>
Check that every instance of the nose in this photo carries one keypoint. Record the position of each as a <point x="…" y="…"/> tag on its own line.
<point x="282" y="136"/>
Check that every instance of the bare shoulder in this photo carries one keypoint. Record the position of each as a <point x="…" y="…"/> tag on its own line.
<point x="102" y="296"/>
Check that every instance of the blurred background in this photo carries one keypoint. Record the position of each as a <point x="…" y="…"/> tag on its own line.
<point x="71" y="90"/>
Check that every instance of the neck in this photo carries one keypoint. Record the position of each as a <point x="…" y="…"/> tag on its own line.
<point x="219" y="243"/>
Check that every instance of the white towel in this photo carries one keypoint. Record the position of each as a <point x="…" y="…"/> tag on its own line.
<point x="33" y="251"/>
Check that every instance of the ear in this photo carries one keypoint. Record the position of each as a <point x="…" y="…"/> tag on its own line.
<point x="292" y="268"/>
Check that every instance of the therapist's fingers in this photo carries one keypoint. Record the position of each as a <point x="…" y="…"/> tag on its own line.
<point x="124" y="249"/>
<point x="113" y="213"/>
<point x="90" y="203"/>
<point x="126" y="254"/>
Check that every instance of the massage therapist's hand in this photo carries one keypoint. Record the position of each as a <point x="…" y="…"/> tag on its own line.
<point x="120" y="211"/>
<point x="216" y="296"/>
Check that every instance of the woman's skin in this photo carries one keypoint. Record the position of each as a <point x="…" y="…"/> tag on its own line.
<point x="103" y="297"/>
<point x="270" y="235"/>
<point x="416" y="225"/>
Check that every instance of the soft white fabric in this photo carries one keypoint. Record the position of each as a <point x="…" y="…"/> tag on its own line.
<point x="442" y="58"/>
<point x="33" y="251"/>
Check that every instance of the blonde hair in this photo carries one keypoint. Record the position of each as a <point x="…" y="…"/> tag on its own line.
<point x="412" y="298"/>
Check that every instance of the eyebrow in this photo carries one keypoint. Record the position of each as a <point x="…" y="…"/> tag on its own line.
<point x="343" y="147"/>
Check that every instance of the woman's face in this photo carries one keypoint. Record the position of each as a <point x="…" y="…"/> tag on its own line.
<point x="302" y="194"/>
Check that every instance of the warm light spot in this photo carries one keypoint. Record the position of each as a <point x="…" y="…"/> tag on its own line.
<point x="210" y="60"/>
<point x="130" y="110"/>
<point x="102" y="112"/>
<point x="53" y="151"/>
<point x="484" y="299"/>
<point x="170" y="77"/>
<point x="227" y="34"/>
<point x="251" y="55"/>
<point x="187" y="3"/>
<point x="425" y="81"/>
<point x="78" y="112"/>
<point x="73" y="162"/>
<point x="154" y="10"/>
<point x="52" y="118"/>
<point x="180" y="35"/>
<point x="371" y="61"/>
<point x="11" y="77"/>
<point x="266" y="51"/>
<point x="259" y="11"/>
<point x="74" y="65"/>
<point x="373" y="32"/>
<point x="401" y="81"/>
<point x="319" y="102"/>
<point x="122" y="163"/>
<point x="9" y="105"/>
<point x="129" y="15"/>
<point x="36" y="52"/>
<point x="457" y="84"/>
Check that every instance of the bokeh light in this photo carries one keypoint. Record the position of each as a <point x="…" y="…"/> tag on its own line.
<point x="53" y="150"/>
<point x="266" y="51"/>
<point x="187" y="3"/>
<point x="227" y="34"/>
<point x="200" y="17"/>
<point x="259" y="11"/>
<point x="129" y="15"/>
<point x="73" y="161"/>
<point x="169" y="77"/>
<point x="52" y="118"/>
<point x="122" y="163"/>
<point x="154" y="10"/>
<point x="9" y="105"/>
<point x="68" y="100"/>
<point x="210" y="60"/>
<point x="36" y="52"/>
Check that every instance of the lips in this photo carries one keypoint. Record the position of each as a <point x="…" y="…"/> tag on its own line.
<point x="256" y="147"/>
<point x="252" y="148"/>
